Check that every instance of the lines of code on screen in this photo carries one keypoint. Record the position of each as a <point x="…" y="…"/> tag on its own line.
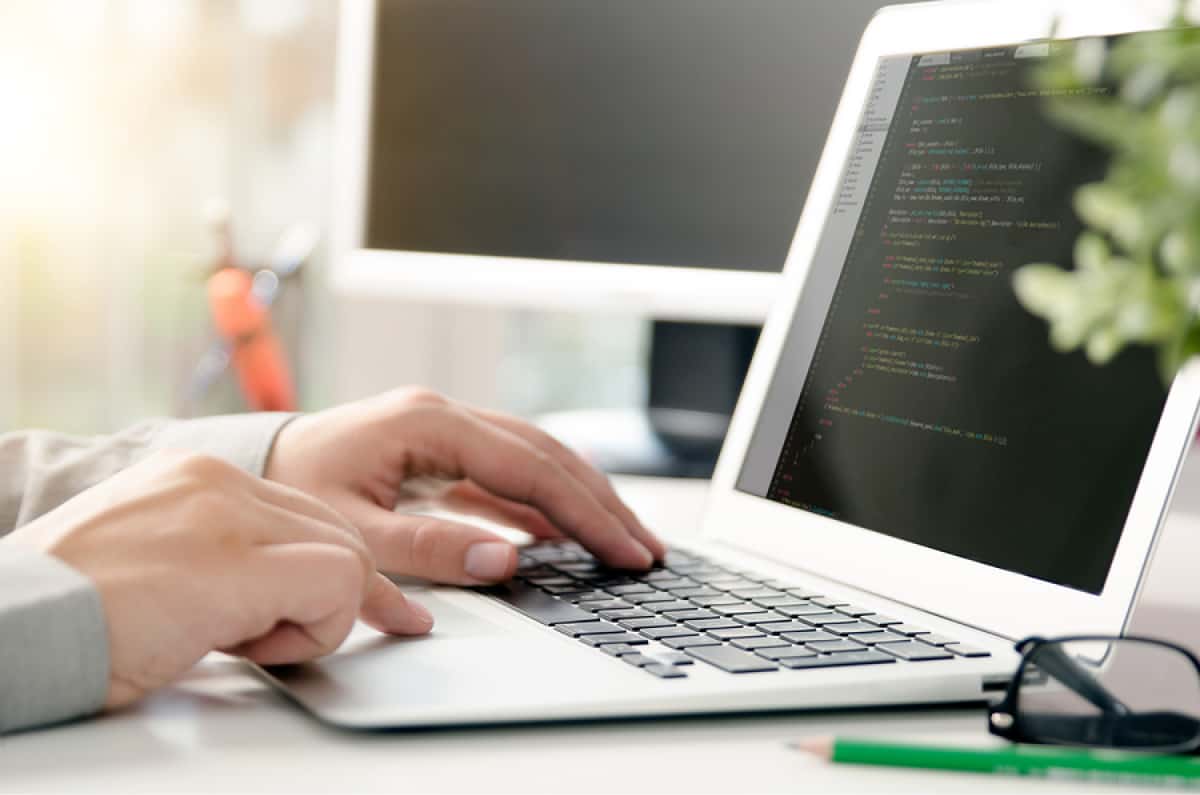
<point x="934" y="409"/>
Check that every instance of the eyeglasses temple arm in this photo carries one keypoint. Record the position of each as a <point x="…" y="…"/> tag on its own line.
<point x="1055" y="662"/>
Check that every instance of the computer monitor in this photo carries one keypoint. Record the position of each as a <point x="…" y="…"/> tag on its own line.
<point x="646" y="157"/>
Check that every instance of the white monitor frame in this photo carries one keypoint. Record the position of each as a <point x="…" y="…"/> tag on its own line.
<point x="663" y="292"/>
<point x="994" y="600"/>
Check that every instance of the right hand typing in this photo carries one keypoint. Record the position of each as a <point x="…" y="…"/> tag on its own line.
<point x="191" y="554"/>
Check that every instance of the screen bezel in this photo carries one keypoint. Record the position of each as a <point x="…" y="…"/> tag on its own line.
<point x="992" y="599"/>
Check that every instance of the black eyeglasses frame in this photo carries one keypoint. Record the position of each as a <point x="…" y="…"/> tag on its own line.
<point x="1002" y="716"/>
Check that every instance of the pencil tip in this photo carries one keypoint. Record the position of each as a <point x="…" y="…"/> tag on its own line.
<point x="817" y="746"/>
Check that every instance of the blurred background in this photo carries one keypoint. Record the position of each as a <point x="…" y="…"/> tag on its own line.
<point x="122" y="119"/>
<point x="125" y="119"/>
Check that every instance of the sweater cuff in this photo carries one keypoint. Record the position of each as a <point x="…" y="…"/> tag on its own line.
<point x="53" y="641"/>
<point x="243" y="440"/>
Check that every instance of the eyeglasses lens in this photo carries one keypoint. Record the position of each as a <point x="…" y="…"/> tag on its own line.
<point x="1113" y="693"/>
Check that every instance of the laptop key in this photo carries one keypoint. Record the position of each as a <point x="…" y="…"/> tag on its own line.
<point x="832" y="660"/>
<point x="739" y="584"/>
<point x="638" y="659"/>
<point x="713" y="601"/>
<point x="563" y="590"/>
<point x="645" y="623"/>
<point x="735" y="632"/>
<point x="853" y="628"/>
<point x="687" y="643"/>
<point x="586" y="596"/>
<point x="658" y="633"/>
<point x="826" y="619"/>
<point x="757" y="593"/>
<point x="776" y="601"/>
<point x="966" y="650"/>
<point x="610" y="604"/>
<point x="834" y="646"/>
<point x="937" y="640"/>
<point x="761" y="642"/>
<point x="694" y="591"/>
<point x="880" y="619"/>
<point x="666" y="607"/>
<point x="762" y="617"/>
<point x="579" y="628"/>
<point x="549" y="553"/>
<point x="617" y="615"/>
<point x="648" y="597"/>
<point x="672" y="657"/>
<point x="691" y="615"/>
<point x="829" y="601"/>
<point x="779" y="627"/>
<point x="705" y="624"/>
<point x="853" y="610"/>
<point x="576" y="565"/>
<point x="614" y="637"/>
<point x="735" y="609"/>
<point x="735" y="661"/>
<point x="780" y="652"/>
<point x="915" y="651"/>
<point x="906" y="629"/>
<point x="617" y="649"/>
<point x="803" y="593"/>
<point x="678" y="584"/>
<point x="664" y="671"/>
<point x="795" y="611"/>
<point x="631" y="588"/>
<point x="539" y="605"/>
<point x="880" y="636"/>
<point x="812" y="636"/>
<point x="557" y="579"/>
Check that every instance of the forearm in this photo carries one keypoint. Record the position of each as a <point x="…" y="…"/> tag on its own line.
<point x="39" y="470"/>
<point x="54" y="642"/>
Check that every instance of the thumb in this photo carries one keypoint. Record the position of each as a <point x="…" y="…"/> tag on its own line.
<point x="438" y="549"/>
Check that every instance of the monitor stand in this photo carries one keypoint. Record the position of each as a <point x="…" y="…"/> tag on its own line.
<point x="695" y="374"/>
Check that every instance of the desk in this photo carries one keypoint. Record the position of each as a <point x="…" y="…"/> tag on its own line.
<point x="221" y="729"/>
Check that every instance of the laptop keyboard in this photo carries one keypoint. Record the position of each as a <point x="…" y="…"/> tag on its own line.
<point x="690" y="609"/>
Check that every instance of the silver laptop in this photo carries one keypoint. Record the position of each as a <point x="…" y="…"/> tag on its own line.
<point x="912" y="480"/>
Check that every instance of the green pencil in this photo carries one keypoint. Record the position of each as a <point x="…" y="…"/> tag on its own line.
<point x="1117" y="767"/>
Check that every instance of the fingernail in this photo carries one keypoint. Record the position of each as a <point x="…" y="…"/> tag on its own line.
<point x="421" y="613"/>
<point x="488" y="561"/>
<point x="646" y="555"/>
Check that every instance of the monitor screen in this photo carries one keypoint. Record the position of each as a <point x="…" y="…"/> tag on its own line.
<point x="662" y="132"/>
<point x="922" y="401"/>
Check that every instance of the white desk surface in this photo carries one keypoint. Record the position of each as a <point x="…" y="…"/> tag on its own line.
<point x="221" y="729"/>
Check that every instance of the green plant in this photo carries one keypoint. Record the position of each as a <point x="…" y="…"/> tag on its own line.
<point x="1137" y="264"/>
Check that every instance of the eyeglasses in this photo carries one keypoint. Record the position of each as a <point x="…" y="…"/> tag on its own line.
<point x="1130" y="693"/>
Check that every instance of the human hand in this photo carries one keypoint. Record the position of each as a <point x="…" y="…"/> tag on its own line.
<point x="191" y="554"/>
<point x="365" y="458"/>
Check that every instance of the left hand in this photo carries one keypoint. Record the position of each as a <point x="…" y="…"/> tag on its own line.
<point x="368" y="458"/>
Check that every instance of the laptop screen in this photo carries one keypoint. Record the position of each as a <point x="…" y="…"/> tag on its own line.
<point x="926" y="404"/>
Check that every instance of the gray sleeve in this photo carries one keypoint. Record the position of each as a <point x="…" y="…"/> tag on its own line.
<point x="40" y="470"/>
<point x="53" y="636"/>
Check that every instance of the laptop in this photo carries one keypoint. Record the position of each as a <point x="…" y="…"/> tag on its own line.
<point x="912" y="479"/>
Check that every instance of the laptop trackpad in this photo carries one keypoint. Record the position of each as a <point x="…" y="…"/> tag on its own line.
<point x="475" y="656"/>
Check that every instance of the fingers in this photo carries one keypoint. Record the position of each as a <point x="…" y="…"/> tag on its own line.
<point x="386" y="609"/>
<point x="592" y="478"/>
<point x="307" y="597"/>
<point x="468" y="498"/>
<point x="441" y="550"/>
<point x="302" y="600"/>
<point x="510" y="467"/>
